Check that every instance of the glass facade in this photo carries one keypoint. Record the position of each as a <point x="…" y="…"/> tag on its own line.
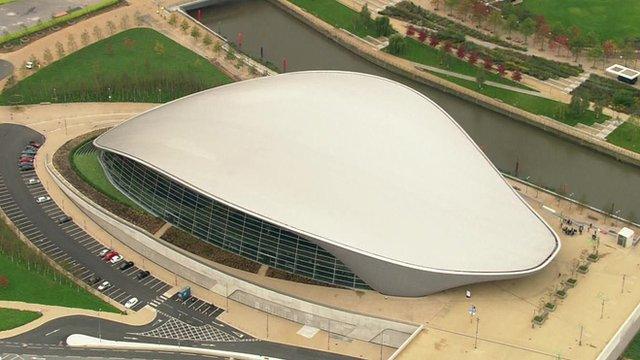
<point x="225" y="227"/>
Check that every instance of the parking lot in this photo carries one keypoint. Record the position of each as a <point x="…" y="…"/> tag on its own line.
<point x="27" y="204"/>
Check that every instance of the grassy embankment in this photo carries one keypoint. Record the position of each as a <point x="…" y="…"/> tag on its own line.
<point x="31" y="279"/>
<point x="136" y="65"/>
<point x="10" y="318"/>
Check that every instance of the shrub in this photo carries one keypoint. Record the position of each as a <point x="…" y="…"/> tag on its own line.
<point x="396" y="44"/>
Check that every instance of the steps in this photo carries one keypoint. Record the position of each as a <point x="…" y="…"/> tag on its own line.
<point x="567" y="85"/>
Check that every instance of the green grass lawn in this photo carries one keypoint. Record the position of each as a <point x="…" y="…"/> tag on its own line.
<point x="139" y="65"/>
<point x="530" y="103"/>
<point x="427" y="55"/>
<point x="608" y="19"/>
<point x="633" y="351"/>
<point x="87" y="166"/>
<point x="627" y="136"/>
<point x="334" y="13"/>
<point x="10" y="318"/>
<point x="38" y="286"/>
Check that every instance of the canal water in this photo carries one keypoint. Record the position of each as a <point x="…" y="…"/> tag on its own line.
<point x="543" y="158"/>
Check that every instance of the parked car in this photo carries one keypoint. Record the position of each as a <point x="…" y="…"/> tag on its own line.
<point x="143" y="274"/>
<point x="103" y="252"/>
<point x="42" y="199"/>
<point x="104" y="286"/>
<point x="25" y="167"/>
<point x="116" y="258"/>
<point x="109" y="255"/>
<point x="125" y="265"/>
<point x="131" y="302"/>
<point x="94" y="279"/>
<point x="35" y="144"/>
<point x="29" y="151"/>
<point x="30" y="65"/>
<point x="63" y="219"/>
<point x="33" y="181"/>
<point x="25" y="161"/>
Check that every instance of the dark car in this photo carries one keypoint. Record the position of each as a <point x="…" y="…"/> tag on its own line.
<point x="25" y="167"/>
<point x="142" y="274"/>
<point x="125" y="265"/>
<point x="63" y="219"/>
<point x="34" y="144"/>
<point x="94" y="279"/>
<point x="30" y="150"/>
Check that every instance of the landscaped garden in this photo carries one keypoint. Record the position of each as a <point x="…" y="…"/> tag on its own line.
<point x="27" y="276"/>
<point x="137" y="65"/>
<point x="10" y="318"/>
<point x="533" y="104"/>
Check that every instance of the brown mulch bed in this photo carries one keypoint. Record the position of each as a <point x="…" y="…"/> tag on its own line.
<point x="62" y="162"/>
<point x="208" y="251"/>
<point x="283" y="275"/>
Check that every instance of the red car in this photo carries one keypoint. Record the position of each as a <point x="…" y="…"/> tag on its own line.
<point x="35" y="144"/>
<point x="25" y="161"/>
<point x="109" y="255"/>
<point x="30" y="158"/>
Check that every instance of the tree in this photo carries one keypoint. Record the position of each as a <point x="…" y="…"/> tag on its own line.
<point x="159" y="48"/>
<point x="383" y="26"/>
<point x="447" y="47"/>
<point x="543" y="30"/>
<point x="481" y="77"/>
<point x="4" y="282"/>
<point x="422" y="36"/>
<point x="577" y="105"/>
<point x="598" y="106"/>
<point x="71" y="43"/>
<point x="516" y="75"/>
<point x="411" y="30"/>
<point x="364" y="17"/>
<point x="137" y="16"/>
<point x="511" y="24"/>
<point x="501" y="69"/>
<point x="396" y="44"/>
<point x="479" y="12"/>
<point x="47" y="56"/>
<point x="434" y="41"/>
<point x="464" y="8"/>
<point x="128" y="43"/>
<point x="195" y="32"/>
<point x="435" y="4"/>
<point x="628" y="51"/>
<point x="217" y="47"/>
<point x="85" y="39"/>
<point x="461" y="52"/>
<point x="207" y="40"/>
<point x="609" y="48"/>
<point x="527" y="28"/>
<point x="124" y="22"/>
<point x="473" y="58"/>
<point x="488" y="63"/>
<point x="59" y="49"/>
<point x="450" y="4"/>
<point x="495" y="20"/>
<point x="231" y="54"/>
<point x="173" y="19"/>
<point x="112" y="27"/>
<point x="595" y="53"/>
<point x="576" y="45"/>
<point x="184" y="26"/>
<point x="97" y="33"/>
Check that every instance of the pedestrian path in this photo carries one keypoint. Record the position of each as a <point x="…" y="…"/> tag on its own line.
<point x="472" y="78"/>
<point x="568" y="84"/>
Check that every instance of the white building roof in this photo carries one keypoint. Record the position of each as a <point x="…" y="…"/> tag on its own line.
<point x="623" y="71"/>
<point x="359" y="161"/>
<point x="626" y="232"/>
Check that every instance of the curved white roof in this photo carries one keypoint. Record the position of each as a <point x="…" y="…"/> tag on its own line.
<point x="359" y="161"/>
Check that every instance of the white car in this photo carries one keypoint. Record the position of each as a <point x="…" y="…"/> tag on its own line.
<point x="115" y="259"/>
<point x="104" y="286"/>
<point x="33" y="181"/>
<point x="42" y="199"/>
<point x="30" y="65"/>
<point x="103" y="252"/>
<point x="131" y="302"/>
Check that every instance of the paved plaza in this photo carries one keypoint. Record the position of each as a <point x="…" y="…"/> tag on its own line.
<point x="25" y="13"/>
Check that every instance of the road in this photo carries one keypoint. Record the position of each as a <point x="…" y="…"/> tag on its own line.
<point x="192" y="322"/>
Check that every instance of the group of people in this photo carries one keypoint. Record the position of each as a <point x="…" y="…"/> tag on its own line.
<point x="570" y="229"/>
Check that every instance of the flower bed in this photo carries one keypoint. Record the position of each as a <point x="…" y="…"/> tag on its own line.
<point x="610" y="92"/>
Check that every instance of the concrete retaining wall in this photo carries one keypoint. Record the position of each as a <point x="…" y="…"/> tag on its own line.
<point x="623" y="337"/>
<point x="175" y="260"/>
<point x="390" y="63"/>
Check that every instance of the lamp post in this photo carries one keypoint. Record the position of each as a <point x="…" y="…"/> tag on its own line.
<point x="99" y="325"/>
